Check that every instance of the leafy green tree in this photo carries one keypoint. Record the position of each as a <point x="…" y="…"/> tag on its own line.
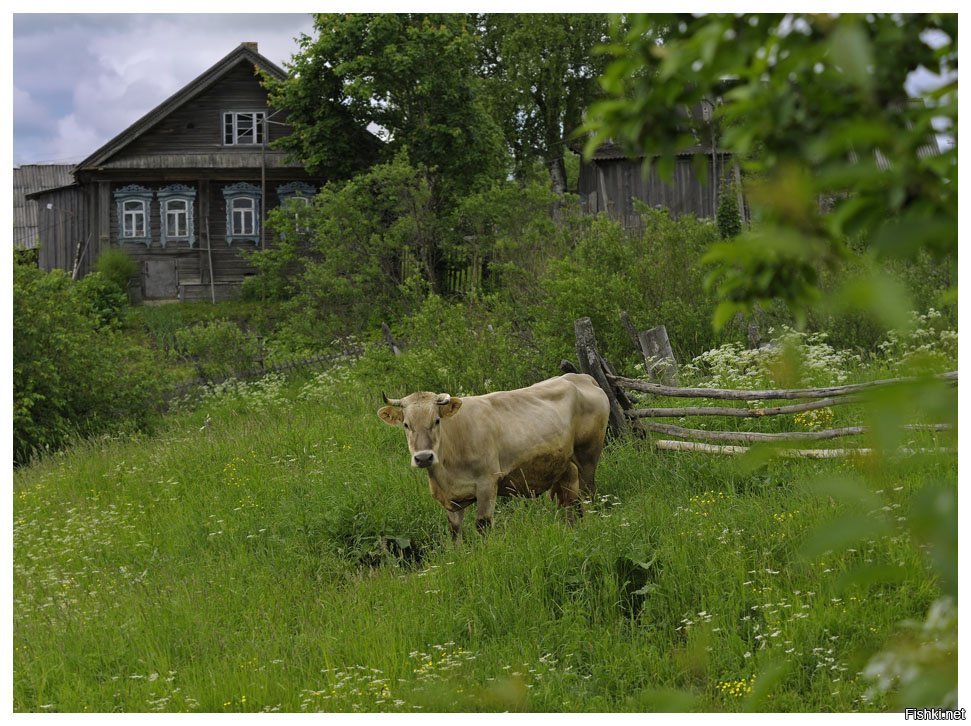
<point x="541" y="73"/>
<point x="817" y="108"/>
<point x="824" y="111"/>
<point x="364" y="238"/>
<point x="409" y="78"/>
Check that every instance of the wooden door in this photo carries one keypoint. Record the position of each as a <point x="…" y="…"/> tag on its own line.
<point x="159" y="279"/>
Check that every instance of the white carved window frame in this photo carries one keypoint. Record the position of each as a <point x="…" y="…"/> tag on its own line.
<point x="168" y="197"/>
<point x="134" y="202"/>
<point x="240" y="197"/>
<point x="301" y="192"/>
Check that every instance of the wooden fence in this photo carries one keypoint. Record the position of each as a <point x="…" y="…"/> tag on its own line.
<point x="626" y="418"/>
<point x="317" y="361"/>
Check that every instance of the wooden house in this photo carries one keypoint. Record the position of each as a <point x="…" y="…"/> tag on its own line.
<point x="611" y="180"/>
<point x="184" y="190"/>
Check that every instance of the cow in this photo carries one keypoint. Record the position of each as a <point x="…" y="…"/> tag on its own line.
<point x="544" y="438"/>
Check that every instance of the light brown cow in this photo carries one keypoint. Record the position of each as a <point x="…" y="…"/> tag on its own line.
<point x="547" y="437"/>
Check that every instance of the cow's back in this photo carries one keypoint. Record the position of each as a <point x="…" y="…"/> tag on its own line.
<point x="548" y="420"/>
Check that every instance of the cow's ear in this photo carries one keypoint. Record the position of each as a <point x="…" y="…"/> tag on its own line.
<point x="391" y="415"/>
<point x="450" y="408"/>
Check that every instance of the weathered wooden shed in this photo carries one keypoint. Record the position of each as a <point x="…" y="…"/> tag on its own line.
<point x="184" y="190"/>
<point x="27" y="179"/>
<point x="611" y="180"/>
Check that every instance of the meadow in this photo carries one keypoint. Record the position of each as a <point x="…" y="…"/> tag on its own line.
<point x="268" y="549"/>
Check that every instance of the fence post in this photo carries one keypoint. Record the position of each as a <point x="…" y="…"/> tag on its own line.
<point x="593" y="364"/>
<point x="654" y="345"/>
<point x="658" y="355"/>
<point x="389" y="339"/>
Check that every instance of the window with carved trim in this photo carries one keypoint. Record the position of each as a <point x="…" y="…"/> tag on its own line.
<point x="243" y="216"/>
<point x="242" y="212"/>
<point x="133" y="209"/>
<point x="177" y="213"/>
<point x="297" y="195"/>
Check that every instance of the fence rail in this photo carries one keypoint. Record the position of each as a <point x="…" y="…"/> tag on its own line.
<point x="625" y="418"/>
<point x="317" y="361"/>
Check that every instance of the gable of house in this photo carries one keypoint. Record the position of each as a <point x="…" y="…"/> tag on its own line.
<point x="195" y="133"/>
<point x="185" y="189"/>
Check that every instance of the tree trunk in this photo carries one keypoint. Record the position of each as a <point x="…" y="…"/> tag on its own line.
<point x="557" y="169"/>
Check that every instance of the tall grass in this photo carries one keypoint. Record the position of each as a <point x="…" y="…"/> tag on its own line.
<point x="271" y="550"/>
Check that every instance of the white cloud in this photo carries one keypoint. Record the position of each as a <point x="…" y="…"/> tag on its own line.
<point x="85" y="78"/>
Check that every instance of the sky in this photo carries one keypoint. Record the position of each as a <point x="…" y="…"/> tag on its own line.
<point x="80" y="79"/>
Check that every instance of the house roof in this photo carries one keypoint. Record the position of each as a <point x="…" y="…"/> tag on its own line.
<point x="610" y="151"/>
<point x="243" y="52"/>
<point x="28" y="180"/>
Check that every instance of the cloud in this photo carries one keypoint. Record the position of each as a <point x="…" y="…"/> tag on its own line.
<point x="82" y="79"/>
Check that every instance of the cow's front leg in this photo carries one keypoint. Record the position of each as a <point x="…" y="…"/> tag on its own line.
<point x="455" y="517"/>
<point x="485" y="503"/>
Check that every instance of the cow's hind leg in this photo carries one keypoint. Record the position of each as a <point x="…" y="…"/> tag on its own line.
<point x="567" y="491"/>
<point x="586" y="458"/>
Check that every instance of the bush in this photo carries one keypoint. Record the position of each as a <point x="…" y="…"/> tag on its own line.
<point x="728" y="218"/>
<point x="460" y="348"/>
<point x="652" y="272"/>
<point x="104" y="299"/>
<point x="117" y="268"/>
<point x="72" y="374"/>
<point x="218" y="349"/>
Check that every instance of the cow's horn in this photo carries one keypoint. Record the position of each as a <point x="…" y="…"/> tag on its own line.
<point x="391" y="401"/>
<point x="442" y="399"/>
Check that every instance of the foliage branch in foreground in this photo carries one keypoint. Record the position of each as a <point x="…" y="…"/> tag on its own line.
<point x="840" y="146"/>
<point x="828" y="118"/>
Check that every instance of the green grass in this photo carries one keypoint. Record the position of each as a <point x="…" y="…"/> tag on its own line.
<point x="284" y="557"/>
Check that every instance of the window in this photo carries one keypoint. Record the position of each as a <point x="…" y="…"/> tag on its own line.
<point x="297" y="194"/>
<point x="134" y="221"/>
<point x="295" y="190"/>
<point x="177" y="206"/>
<point x="243" y="216"/>
<point x="242" y="212"/>
<point x="243" y="127"/>
<point x="176" y="218"/>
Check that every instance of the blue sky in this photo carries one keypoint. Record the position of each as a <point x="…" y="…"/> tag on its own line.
<point x="80" y="79"/>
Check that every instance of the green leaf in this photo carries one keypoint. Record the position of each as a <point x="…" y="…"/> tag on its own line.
<point x="850" y="49"/>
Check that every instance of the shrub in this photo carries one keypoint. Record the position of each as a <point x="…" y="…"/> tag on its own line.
<point x="218" y="349"/>
<point x="727" y="217"/>
<point x="72" y="374"/>
<point x="460" y="348"/>
<point x="105" y="300"/>
<point x="116" y="267"/>
<point x="652" y="272"/>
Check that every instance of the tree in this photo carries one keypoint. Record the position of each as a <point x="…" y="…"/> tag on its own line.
<point x="824" y="111"/>
<point x="408" y="78"/>
<point x="816" y="107"/>
<point x="541" y="75"/>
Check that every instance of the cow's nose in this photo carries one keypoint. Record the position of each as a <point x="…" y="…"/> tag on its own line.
<point x="424" y="459"/>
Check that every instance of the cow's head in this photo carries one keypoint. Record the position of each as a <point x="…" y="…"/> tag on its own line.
<point x="421" y="416"/>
